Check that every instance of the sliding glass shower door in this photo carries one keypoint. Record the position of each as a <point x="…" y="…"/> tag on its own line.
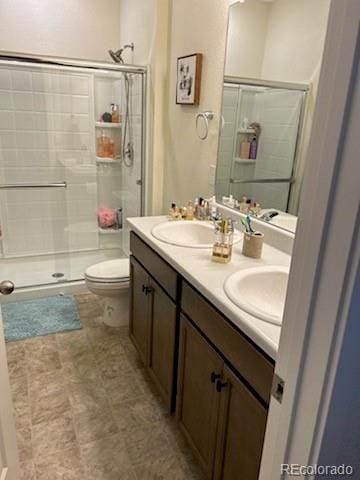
<point x="66" y="185"/>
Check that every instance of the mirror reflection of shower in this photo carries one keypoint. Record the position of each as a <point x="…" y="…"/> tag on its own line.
<point x="127" y="144"/>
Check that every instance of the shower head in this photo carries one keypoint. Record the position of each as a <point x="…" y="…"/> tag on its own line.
<point x="116" y="56"/>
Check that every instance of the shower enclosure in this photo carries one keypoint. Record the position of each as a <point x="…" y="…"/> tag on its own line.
<point x="271" y="113"/>
<point x="66" y="183"/>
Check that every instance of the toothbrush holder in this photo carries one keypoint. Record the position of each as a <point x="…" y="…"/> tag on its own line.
<point x="252" y="244"/>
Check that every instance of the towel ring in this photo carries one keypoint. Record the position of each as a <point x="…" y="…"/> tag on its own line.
<point x="206" y="116"/>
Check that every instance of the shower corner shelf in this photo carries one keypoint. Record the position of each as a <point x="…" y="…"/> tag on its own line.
<point x="246" y="130"/>
<point x="108" y="161"/>
<point x="245" y="161"/>
<point x="107" y="125"/>
<point x="110" y="231"/>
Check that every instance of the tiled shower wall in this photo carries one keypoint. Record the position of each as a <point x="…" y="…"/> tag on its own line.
<point x="278" y="112"/>
<point x="47" y="135"/>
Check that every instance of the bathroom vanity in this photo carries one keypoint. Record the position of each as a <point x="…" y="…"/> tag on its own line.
<point x="212" y="365"/>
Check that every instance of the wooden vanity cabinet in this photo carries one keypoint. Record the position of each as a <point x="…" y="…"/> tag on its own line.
<point x="221" y="419"/>
<point x="242" y="421"/>
<point x="220" y="379"/>
<point x="139" y="309"/>
<point x="223" y="391"/>
<point x="197" y="402"/>
<point x="162" y="334"/>
<point x="153" y="316"/>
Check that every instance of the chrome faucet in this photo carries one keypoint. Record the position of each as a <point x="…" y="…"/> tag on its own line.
<point x="268" y="216"/>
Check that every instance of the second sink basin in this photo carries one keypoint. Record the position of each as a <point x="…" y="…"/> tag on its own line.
<point x="260" y="291"/>
<point x="191" y="234"/>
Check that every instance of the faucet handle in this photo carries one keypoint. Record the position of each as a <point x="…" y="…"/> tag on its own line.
<point x="215" y="217"/>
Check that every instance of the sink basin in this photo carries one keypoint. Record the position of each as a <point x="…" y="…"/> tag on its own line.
<point x="259" y="291"/>
<point x="285" y="221"/>
<point x="191" y="234"/>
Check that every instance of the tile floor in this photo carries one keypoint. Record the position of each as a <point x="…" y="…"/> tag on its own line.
<point x="86" y="409"/>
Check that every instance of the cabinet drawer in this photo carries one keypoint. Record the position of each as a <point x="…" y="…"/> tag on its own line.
<point x="154" y="264"/>
<point x="253" y="366"/>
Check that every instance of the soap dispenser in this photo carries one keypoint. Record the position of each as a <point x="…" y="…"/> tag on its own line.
<point x="222" y="248"/>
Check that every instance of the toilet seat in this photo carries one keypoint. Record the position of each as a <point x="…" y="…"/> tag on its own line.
<point x="110" y="271"/>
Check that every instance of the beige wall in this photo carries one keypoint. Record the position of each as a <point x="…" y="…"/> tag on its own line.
<point x="137" y="20"/>
<point x="295" y="39"/>
<point x="304" y="25"/>
<point x="246" y="39"/>
<point x="66" y="28"/>
<point x="196" y="26"/>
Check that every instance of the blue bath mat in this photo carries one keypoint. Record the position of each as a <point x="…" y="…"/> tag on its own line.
<point x="41" y="316"/>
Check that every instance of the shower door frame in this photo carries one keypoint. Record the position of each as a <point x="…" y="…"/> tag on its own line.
<point x="19" y="59"/>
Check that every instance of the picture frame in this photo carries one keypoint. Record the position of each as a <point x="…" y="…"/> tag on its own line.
<point x="188" y="79"/>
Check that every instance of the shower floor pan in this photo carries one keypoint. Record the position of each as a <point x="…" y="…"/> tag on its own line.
<point x="49" y="271"/>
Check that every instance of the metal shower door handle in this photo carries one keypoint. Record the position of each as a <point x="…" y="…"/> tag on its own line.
<point x="6" y="287"/>
<point x="33" y="185"/>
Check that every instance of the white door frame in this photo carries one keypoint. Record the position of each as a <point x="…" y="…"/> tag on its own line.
<point x="9" y="458"/>
<point x="325" y="256"/>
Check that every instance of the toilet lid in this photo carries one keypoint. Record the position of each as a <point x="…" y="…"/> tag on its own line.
<point x="110" y="270"/>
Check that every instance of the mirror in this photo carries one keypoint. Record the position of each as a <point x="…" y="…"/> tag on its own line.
<point x="273" y="58"/>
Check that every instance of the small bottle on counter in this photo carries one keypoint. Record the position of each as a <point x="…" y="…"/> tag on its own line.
<point x="244" y="206"/>
<point x="212" y="207"/>
<point x="190" y="211"/>
<point x="183" y="212"/>
<point x="201" y="209"/>
<point x="174" y="212"/>
<point x="255" y="209"/>
<point x="222" y="248"/>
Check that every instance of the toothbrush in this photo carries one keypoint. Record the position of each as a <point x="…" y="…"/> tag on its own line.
<point x="245" y="225"/>
<point x="249" y="223"/>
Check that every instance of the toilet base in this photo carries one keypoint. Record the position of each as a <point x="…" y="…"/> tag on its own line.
<point x="116" y="298"/>
<point x="116" y="311"/>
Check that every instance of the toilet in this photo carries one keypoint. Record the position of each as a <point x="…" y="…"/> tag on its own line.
<point x="110" y="280"/>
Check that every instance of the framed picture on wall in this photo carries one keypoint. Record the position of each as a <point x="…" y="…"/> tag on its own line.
<point x="188" y="79"/>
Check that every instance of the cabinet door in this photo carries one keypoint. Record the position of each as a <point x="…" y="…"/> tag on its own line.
<point x="139" y="309"/>
<point x="162" y="341"/>
<point x="197" y="398"/>
<point x="242" y="422"/>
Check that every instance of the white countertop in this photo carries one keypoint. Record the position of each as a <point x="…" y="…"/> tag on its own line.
<point x="208" y="277"/>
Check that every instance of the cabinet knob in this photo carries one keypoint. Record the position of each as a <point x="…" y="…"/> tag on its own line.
<point x="214" y="376"/>
<point x="220" y="385"/>
<point x="146" y="289"/>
